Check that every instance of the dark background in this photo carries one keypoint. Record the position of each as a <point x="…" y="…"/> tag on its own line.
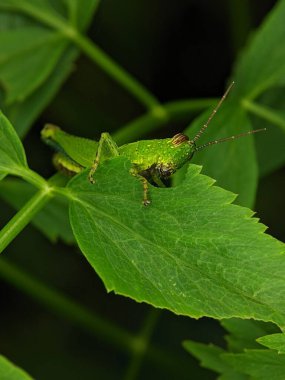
<point x="178" y="49"/>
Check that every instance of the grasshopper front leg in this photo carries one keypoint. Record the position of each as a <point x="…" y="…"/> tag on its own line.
<point x="146" y="201"/>
<point x="107" y="148"/>
<point x="144" y="181"/>
<point x="145" y="184"/>
<point x="156" y="179"/>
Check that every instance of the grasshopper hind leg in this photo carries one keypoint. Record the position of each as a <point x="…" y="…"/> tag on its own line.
<point x="135" y="173"/>
<point x="146" y="200"/>
<point x="146" y="177"/>
<point x="66" y="165"/>
<point x="107" y="148"/>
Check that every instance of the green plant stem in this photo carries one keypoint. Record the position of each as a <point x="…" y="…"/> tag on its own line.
<point x="23" y="217"/>
<point x="173" y="112"/>
<point x="31" y="177"/>
<point x="181" y="109"/>
<point x="116" y="72"/>
<point x="99" y="327"/>
<point x="143" y="341"/>
<point x="264" y="113"/>
<point x="64" y="306"/>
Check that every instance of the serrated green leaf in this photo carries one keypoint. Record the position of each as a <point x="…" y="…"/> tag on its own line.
<point x="191" y="251"/>
<point x="243" y="333"/>
<point x="259" y="364"/>
<point x="8" y="371"/>
<point x="262" y="64"/>
<point x="209" y="355"/>
<point x="274" y="341"/>
<point x="233" y="164"/>
<point x="52" y="220"/>
<point x="12" y="154"/>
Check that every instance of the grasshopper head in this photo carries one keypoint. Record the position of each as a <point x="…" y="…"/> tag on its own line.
<point x="49" y="135"/>
<point x="188" y="146"/>
<point x="49" y="131"/>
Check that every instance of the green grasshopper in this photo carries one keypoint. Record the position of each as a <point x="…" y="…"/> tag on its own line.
<point x="152" y="160"/>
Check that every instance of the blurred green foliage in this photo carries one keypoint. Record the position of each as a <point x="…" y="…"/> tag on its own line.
<point x="177" y="50"/>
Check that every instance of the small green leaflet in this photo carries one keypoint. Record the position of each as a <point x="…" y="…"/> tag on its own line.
<point x="274" y="341"/>
<point x="258" y="364"/>
<point x="242" y="335"/>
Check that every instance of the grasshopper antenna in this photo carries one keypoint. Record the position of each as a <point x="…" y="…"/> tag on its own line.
<point x="229" y="138"/>
<point x="205" y="126"/>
